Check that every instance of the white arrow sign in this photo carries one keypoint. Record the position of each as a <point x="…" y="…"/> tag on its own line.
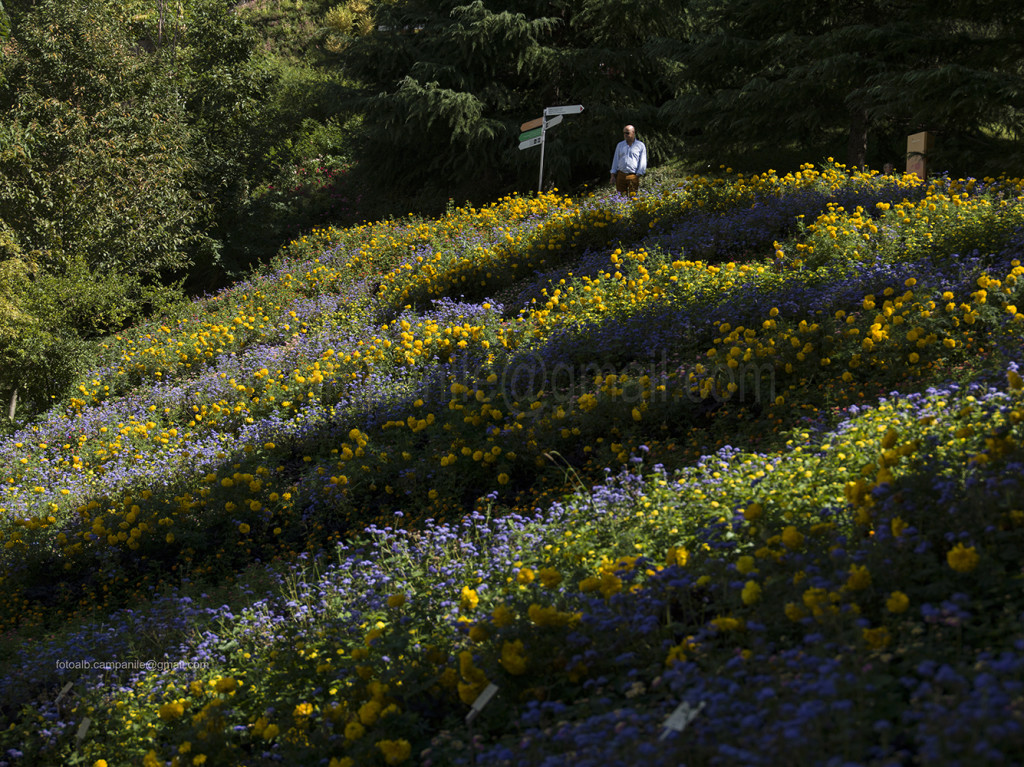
<point x="575" y="109"/>
<point x="531" y="142"/>
<point x="553" y="122"/>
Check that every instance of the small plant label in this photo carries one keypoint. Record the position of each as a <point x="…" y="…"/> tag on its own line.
<point x="63" y="692"/>
<point x="682" y="716"/>
<point x="482" y="700"/>
<point x="82" y="729"/>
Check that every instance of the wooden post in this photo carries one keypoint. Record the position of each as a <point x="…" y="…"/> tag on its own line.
<point x="919" y="146"/>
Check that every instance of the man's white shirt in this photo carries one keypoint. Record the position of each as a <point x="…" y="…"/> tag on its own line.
<point x="630" y="158"/>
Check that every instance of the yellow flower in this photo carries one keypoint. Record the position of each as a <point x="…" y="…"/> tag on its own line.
<point x="897" y="602"/>
<point x="876" y="638"/>
<point x="270" y="731"/>
<point x="745" y="564"/>
<point x="549" y="577"/>
<point x="678" y="653"/>
<point x="751" y="594"/>
<point x="345" y="761"/>
<point x="795" y="612"/>
<point x="502" y="616"/>
<point x="548" y="616"/>
<point x="353" y="731"/>
<point x="890" y="438"/>
<point x="395" y="751"/>
<point x="396" y="600"/>
<point x="225" y="684"/>
<point x="198" y="759"/>
<point x="677" y="555"/>
<point x="753" y="512"/>
<point x="170" y="711"/>
<point x="243" y="528"/>
<point x="962" y="558"/>
<point x="469" y="599"/>
<point x="859" y="578"/>
<point x="590" y="584"/>
<point x="792" y="538"/>
<point x="610" y="584"/>
<point x="726" y="623"/>
<point x="898" y="526"/>
<point x="369" y="712"/>
<point x="675" y="655"/>
<point x="448" y="678"/>
<point x="525" y="576"/>
<point x="302" y="710"/>
<point x="100" y="763"/>
<point x="474" y="679"/>
<point x="512" y="658"/>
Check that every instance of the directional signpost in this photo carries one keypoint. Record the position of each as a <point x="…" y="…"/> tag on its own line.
<point x="533" y="131"/>
<point x="575" y="109"/>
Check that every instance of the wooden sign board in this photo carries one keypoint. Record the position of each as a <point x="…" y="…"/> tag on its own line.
<point x="919" y="145"/>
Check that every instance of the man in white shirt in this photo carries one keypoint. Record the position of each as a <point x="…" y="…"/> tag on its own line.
<point x="629" y="163"/>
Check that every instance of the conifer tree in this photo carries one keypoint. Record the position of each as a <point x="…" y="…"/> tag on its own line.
<point x="761" y="73"/>
<point x="445" y="85"/>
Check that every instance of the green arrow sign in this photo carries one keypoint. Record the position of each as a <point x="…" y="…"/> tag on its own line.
<point x="529" y="134"/>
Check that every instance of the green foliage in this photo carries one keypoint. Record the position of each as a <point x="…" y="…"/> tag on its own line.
<point x="287" y="29"/>
<point x="867" y="74"/>
<point x="90" y="161"/>
<point x="445" y="87"/>
<point x="50" y="320"/>
<point x="13" y="273"/>
<point x="97" y="192"/>
<point x="302" y="178"/>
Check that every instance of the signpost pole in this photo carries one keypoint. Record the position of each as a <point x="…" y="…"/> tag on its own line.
<point x="551" y="117"/>
<point x="543" y="131"/>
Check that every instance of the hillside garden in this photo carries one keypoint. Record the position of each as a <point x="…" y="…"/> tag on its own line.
<point x="747" y="448"/>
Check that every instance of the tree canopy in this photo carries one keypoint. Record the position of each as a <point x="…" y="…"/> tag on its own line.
<point x="445" y="85"/>
<point x="117" y="153"/>
<point x="760" y="73"/>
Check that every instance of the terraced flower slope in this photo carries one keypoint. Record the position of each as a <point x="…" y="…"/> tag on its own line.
<point x="744" y="447"/>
